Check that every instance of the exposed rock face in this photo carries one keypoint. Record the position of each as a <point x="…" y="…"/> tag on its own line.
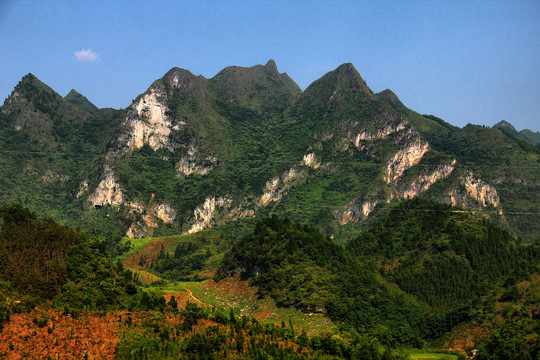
<point x="311" y="160"/>
<point x="204" y="214"/>
<point x="108" y="192"/>
<point x="277" y="187"/>
<point x="290" y="175"/>
<point x="424" y="182"/>
<point x="271" y="193"/>
<point x="82" y="189"/>
<point x="146" y="122"/>
<point x="150" y="125"/>
<point x="404" y="159"/>
<point x="480" y="190"/>
<point x="472" y="187"/>
<point x="164" y="212"/>
<point x="190" y="164"/>
<point x="154" y="212"/>
<point x="354" y="211"/>
<point x="380" y="134"/>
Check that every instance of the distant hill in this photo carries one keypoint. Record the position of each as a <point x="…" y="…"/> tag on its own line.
<point x="525" y="135"/>
<point x="80" y="101"/>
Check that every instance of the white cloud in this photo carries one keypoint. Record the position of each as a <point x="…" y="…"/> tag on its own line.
<point x="86" y="55"/>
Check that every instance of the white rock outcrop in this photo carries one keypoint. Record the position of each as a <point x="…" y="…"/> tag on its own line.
<point x="271" y="193"/>
<point x="189" y="164"/>
<point x="424" y="182"/>
<point x="311" y="160"/>
<point x="151" y="126"/>
<point x="480" y="190"/>
<point x="380" y="134"/>
<point x="404" y="159"/>
<point x="353" y="212"/>
<point x="204" y="214"/>
<point x="108" y="192"/>
<point x="164" y="212"/>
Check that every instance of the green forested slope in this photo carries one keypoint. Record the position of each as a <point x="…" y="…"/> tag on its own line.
<point x="238" y="134"/>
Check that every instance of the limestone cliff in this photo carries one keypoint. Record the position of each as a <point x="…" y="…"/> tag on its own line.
<point x="150" y="217"/>
<point x="480" y="190"/>
<point x="204" y="214"/>
<point x="147" y="122"/>
<point x="424" y="182"/>
<point x="404" y="159"/>
<point x="474" y="193"/>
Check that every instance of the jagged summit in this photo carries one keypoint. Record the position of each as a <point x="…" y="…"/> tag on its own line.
<point x="271" y="67"/>
<point x="353" y="77"/>
<point x="31" y="85"/>
<point x="180" y="75"/>
<point x="389" y="96"/>
<point x="193" y="152"/>
<point x="236" y="83"/>
<point x="505" y="125"/>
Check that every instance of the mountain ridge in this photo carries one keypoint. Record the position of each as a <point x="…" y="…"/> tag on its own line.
<point x="249" y="141"/>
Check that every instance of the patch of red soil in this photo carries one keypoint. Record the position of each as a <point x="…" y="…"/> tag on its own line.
<point x="233" y="286"/>
<point x="181" y="298"/>
<point x="90" y="334"/>
<point x="150" y="253"/>
<point x="63" y="337"/>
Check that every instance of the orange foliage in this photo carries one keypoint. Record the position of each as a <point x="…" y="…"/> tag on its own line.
<point x="64" y="336"/>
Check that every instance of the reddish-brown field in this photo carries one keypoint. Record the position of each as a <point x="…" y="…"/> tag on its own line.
<point x="63" y="336"/>
<point x="150" y="252"/>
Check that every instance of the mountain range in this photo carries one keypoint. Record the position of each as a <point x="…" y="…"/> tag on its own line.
<point x="193" y="153"/>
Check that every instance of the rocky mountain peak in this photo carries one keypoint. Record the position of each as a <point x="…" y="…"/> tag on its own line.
<point x="505" y="125"/>
<point x="354" y="80"/>
<point x="243" y="84"/>
<point x="271" y="67"/>
<point x="182" y="79"/>
<point x="344" y="77"/>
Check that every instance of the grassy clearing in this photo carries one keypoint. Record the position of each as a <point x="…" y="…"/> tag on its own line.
<point x="146" y="278"/>
<point x="174" y="286"/>
<point x="136" y="245"/>
<point x="236" y="294"/>
<point x="416" y="354"/>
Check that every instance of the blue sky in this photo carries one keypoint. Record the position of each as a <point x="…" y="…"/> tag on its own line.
<point x="464" y="61"/>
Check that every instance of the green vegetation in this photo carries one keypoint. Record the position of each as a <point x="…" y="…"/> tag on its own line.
<point x="415" y="354"/>
<point x="234" y="133"/>
<point x="228" y="336"/>
<point x="190" y="255"/>
<point x="367" y="288"/>
<point x="411" y="274"/>
<point x="45" y="260"/>
<point x="299" y="267"/>
<point x="443" y="255"/>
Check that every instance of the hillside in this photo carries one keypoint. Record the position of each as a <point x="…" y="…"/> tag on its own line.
<point x="193" y="153"/>
<point x="283" y="290"/>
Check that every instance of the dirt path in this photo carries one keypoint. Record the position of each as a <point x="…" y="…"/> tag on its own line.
<point x="190" y="294"/>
